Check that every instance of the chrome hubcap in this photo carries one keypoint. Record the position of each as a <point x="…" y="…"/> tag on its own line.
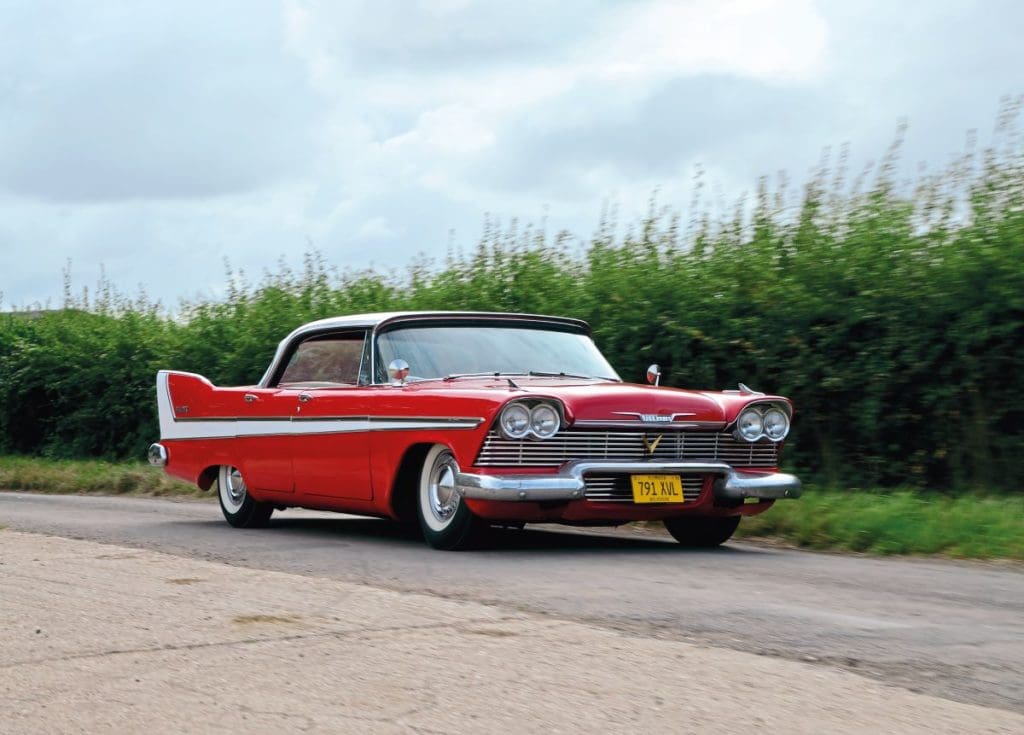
<point x="444" y="500"/>
<point x="236" y="486"/>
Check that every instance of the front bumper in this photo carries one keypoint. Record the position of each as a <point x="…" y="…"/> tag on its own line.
<point x="569" y="482"/>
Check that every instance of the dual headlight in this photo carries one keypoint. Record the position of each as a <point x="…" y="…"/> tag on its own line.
<point x="518" y="420"/>
<point x="758" y="422"/>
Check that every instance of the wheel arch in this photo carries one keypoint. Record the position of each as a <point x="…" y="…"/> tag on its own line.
<point x="402" y="498"/>
<point x="207" y="477"/>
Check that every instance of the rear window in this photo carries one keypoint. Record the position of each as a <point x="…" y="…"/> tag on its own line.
<point x="329" y="359"/>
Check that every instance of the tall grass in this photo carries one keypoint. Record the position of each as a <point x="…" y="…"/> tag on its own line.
<point x="899" y="522"/>
<point x="88" y="476"/>
<point x="892" y="313"/>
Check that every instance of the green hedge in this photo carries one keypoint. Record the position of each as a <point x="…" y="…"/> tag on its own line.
<point x="892" y="315"/>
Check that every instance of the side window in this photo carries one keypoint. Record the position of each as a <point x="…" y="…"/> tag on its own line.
<point x="323" y="360"/>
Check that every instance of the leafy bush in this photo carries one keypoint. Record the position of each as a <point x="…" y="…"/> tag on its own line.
<point x="893" y="317"/>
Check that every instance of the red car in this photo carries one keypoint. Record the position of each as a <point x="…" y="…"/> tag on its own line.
<point x="464" y="420"/>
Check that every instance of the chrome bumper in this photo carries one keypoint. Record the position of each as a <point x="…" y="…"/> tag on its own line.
<point x="568" y="483"/>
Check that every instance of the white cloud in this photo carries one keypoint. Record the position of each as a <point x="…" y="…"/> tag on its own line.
<point x="767" y="39"/>
<point x="116" y="101"/>
<point x="160" y="138"/>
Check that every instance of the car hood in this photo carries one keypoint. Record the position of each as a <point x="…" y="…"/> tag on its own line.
<point x="613" y="402"/>
<point x="604" y="402"/>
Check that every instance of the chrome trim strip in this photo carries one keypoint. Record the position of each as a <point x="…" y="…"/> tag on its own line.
<point x="412" y="420"/>
<point x="569" y="483"/>
<point x="232" y="429"/>
<point x="225" y="419"/>
<point x="475" y="420"/>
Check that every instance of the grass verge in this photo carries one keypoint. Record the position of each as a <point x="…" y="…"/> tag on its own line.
<point x="88" y="476"/>
<point x="969" y="526"/>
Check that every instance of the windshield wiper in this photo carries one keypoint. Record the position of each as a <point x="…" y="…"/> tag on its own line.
<point x="489" y="374"/>
<point x="531" y="373"/>
<point x="542" y="374"/>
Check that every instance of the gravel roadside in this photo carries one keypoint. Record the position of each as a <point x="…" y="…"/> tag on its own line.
<point x="103" y="638"/>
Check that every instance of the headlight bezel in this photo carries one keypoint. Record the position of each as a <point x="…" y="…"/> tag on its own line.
<point x="761" y="411"/>
<point x="785" y="424"/>
<point x="532" y="407"/>
<point x="507" y="410"/>
<point x="552" y="415"/>
<point x="753" y="418"/>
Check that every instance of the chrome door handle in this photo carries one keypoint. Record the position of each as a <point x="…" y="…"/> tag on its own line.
<point x="251" y="397"/>
<point x="305" y="398"/>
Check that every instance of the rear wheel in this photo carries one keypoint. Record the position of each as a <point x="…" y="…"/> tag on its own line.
<point x="702" y="533"/>
<point x="238" y="506"/>
<point x="444" y="518"/>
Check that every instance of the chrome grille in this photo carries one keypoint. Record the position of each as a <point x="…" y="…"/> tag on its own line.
<point x="618" y="489"/>
<point x="626" y="446"/>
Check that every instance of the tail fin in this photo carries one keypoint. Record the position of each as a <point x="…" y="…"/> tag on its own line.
<point x="174" y="391"/>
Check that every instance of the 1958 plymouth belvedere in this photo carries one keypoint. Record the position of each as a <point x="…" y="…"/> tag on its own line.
<point x="465" y="420"/>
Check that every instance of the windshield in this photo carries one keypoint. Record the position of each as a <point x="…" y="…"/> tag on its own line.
<point x="438" y="352"/>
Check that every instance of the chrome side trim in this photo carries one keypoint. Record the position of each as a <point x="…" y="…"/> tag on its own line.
<point x="460" y="420"/>
<point x="569" y="484"/>
<point x="232" y="429"/>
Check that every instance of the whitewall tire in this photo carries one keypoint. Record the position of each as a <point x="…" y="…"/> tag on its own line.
<point x="444" y="518"/>
<point x="238" y="506"/>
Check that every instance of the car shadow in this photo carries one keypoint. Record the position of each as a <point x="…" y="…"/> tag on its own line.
<point x="554" y="539"/>
<point x="347" y="527"/>
<point x="546" y="538"/>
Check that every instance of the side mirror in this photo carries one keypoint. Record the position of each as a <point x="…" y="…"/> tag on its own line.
<point x="398" y="371"/>
<point x="654" y="374"/>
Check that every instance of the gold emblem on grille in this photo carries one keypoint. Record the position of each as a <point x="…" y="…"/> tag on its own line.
<point x="652" y="445"/>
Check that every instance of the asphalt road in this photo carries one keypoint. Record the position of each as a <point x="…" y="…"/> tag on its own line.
<point x="954" y="630"/>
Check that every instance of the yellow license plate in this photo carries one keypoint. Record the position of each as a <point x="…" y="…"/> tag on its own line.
<point x="657" y="489"/>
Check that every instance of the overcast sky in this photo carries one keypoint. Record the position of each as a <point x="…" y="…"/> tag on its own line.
<point x="158" y="138"/>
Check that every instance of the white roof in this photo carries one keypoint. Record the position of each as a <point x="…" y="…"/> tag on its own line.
<point x="375" y="319"/>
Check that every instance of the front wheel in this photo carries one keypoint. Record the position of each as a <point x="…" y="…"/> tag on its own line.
<point x="446" y="521"/>
<point x="702" y="533"/>
<point x="238" y="506"/>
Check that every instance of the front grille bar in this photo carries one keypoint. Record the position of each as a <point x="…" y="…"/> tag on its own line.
<point x="626" y="446"/>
